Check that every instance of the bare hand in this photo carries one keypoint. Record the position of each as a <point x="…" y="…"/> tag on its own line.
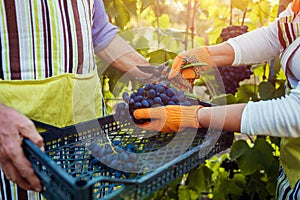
<point x="13" y="127"/>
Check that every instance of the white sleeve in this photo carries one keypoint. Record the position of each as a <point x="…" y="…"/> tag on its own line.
<point x="256" y="46"/>
<point x="277" y="117"/>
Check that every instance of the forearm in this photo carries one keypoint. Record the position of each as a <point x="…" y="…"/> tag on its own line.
<point x="256" y="46"/>
<point x="122" y="56"/>
<point x="222" y="117"/>
<point x="253" y="47"/>
<point x="128" y="62"/>
<point x="276" y="117"/>
<point x="222" y="54"/>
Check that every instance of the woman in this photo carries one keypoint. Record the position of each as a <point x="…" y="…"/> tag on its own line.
<point x="49" y="74"/>
<point x="278" y="117"/>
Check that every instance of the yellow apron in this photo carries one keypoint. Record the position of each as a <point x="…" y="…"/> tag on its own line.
<point x="60" y="100"/>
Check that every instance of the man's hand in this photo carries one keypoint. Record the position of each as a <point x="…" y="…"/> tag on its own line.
<point x="169" y="118"/>
<point x="13" y="128"/>
<point x="188" y="65"/>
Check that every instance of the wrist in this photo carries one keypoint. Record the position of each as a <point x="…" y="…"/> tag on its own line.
<point x="190" y="116"/>
<point x="202" y="116"/>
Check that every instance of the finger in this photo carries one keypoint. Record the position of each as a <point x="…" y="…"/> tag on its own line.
<point x="143" y="113"/>
<point x="154" y="125"/>
<point x="176" y="66"/>
<point x="148" y="113"/>
<point x="146" y="126"/>
<point x="16" y="156"/>
<point x="28" y="130"/>
<point x="9" y="170"/>
<point x="12" y="174"/>
<point x="27" y="171"/>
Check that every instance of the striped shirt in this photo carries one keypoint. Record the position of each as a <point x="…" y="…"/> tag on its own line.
<point x="40" y="38"/>
<point x="44" y="38"/>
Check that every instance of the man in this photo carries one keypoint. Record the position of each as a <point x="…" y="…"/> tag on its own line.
<point x="49" y="74"/>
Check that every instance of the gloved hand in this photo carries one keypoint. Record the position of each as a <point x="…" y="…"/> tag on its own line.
<point x="183" y="77"/>
<point x="172" y="118"/>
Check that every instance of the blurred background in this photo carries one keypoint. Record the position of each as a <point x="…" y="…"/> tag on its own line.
<point x="159" y="30"/>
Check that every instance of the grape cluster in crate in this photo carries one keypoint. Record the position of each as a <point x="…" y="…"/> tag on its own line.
<point x="118" y="159"/>
<point x="147" y="96"/>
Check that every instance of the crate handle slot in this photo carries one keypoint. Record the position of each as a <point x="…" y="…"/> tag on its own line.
<point x="81" y="189"/>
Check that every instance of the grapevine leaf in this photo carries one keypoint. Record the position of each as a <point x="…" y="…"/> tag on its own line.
<point x="265" y="150"/>
<point x="194" y="195"/>
<point x="240" y="4"/>
<point x="266" y="90"/>
<point x="142" y="43"/>
<point x="183" y="193"/>
<point x="172" y="188"/>
<point x="123" y="16"/>
<point x="260" y="155"/>
<point x="200" y="179"/>
<point x="127" y="35"/>
<point x="223" y="99"/>
<point x="169" y="42"/>
<point x="245" y="93"/>
<point x="131" y="6"/>
<point x="110" y="8"/>
<point x="243" y="162"/>
<point x="164" y="21"/>
<point x="274" y="168"/>
<point x="145" y="4"/>
<point x="156" y="195"/>
<point x="271" y="185"/>
<point x="160" y="56"/>
<point x="238" y="149"/>
<point x="228" y="189"/>
<point x="256" y="186"/>
<point x="264" y="11"/>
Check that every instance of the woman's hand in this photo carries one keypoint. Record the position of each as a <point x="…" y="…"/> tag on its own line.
<point x="188" y="65"/>
<point x="172" y="118"/>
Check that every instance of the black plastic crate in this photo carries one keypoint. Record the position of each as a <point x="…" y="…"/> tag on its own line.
<point x="67" y="171"/>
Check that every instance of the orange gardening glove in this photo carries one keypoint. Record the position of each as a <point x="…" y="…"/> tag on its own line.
<point x="172" y="118"/>
<point x="183" y="77"/>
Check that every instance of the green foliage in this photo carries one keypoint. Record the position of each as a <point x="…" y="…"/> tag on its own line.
<point x="229" y="188"/>
<point x="240" y="4"/>
<point x="261" y="155"/>
<point x="167" y="33"/>
<point x="200" y="179"/>
<point x="268" y="90"/>
<point x="246" y="92"/>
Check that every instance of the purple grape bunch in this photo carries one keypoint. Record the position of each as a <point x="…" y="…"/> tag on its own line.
<point x="149" y="96"/>
<point x="231" y="77"/>
<point x="118" y="159"/>
<point x="233" y="31"/>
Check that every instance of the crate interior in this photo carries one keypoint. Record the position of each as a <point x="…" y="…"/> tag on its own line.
<point x="76" y="150"/>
